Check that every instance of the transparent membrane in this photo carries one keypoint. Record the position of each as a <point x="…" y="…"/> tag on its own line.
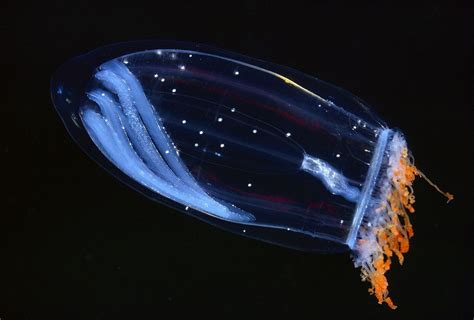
<point x="252" y="147"/>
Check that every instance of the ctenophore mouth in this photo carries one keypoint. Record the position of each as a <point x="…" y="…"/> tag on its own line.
<point x="385" y="229"/>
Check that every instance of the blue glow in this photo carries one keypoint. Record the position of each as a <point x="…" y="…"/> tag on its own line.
<point x="130" y="134"/>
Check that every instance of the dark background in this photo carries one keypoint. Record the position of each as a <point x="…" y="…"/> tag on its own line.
<point x="77" y="244"/>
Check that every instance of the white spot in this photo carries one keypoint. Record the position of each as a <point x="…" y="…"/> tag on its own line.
<point x="219" y="119"/>
<point x="287" y="229"/>
<point x="167" y="151"/>
<point x="232" y="110"/>
<point x="249" y="185"/>
<point x="156" y="75"/>
<point x="236" y="72"/>
<point x="369" y="224"/>
<point x="186" y="208"/>
<point x="354" y="127"/>
<point x="190" y="56"/>
<point x="196" y="144"/>
<point x="201" y="132"/>
<point x="359" y="121"/>
<point x="222" y="145"/>
<point x="183" y="122"/>
<point x="182" y="67"/>
<point x="174" y="90"/>
<point x="338" y="155"/>
<point x="162" y="79"/>
<point x="125" y="61"/>
<point x="341" y="222"/>
<point x="319" y="105"/>
<point x="159" y="52"/>
<point x="288" y="135"/>
<point x="244" y="231"/>
<point x="173" y="56"/>
<point x="102" y="94"/>
<point x="366" y="150"/>
<point x="254" y="130"/>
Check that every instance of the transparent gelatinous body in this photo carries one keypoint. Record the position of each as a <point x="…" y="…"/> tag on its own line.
<point x="256" y="148"/>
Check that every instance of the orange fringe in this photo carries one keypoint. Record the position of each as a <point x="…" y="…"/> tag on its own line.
<point x="393" y="237"/>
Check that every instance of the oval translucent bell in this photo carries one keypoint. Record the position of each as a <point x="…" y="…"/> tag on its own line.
<point x="252" y="147"/>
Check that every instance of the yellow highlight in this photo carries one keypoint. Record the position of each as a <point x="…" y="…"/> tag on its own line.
<point x="294" y="84"/>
